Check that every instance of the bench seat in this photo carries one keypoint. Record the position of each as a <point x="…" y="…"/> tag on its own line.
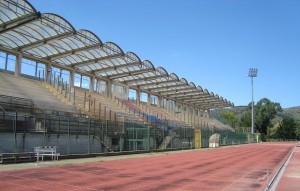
<point x="17" y="157"/>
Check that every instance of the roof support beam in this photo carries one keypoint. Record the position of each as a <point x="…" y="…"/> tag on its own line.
<point x="202" y="101"/>
<point x="45" y="41"/>
<point x="174" y="92"/>
<point x="10" y="25"/>
<point x="197" y="97"/>
<point x="145" y="79"/>
<point x="189" y="97"/>
<point x="116" y="67"/>
<point x="167" y="87"/>
<point x="192" y="92"/>
<point x="137" y="72"/>
<point x="71" y="52"/>
<point x="157" y="84"/>
<point x="97" y="60"/>
<point x="220" y="102"/>
<point x="211" y="106"/>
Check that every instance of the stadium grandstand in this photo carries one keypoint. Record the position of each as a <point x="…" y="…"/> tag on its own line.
<point x="65" y="87"/>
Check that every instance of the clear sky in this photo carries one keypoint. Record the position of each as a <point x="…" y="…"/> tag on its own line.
<point x="212" y="43"/>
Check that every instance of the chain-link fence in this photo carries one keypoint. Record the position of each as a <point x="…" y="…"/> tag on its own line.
<point x="226" y="137"/>
<point x="82" y="135"/>
<point x="78" y="135"/>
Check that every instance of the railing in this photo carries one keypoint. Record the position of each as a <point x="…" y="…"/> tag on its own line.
<point x="16" y="104"/>
<point x="65" y="89"/>
<point x="150" y="118"/>
<point x="3" y="110"/>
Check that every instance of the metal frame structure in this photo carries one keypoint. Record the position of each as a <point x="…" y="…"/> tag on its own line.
<point x="51" y="39"/>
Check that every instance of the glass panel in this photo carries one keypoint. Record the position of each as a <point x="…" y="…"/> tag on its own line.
<point x="63" y="61"/>
<point x="144" y="97"/>
<point x="65" y="75"/>
<point x="99" y="52"/>
<point x="153" y="100"/>
<point x="85" y="82"/>
<point x="41" y="70"/>
<point x="77" y="80"/>
<point x="11" y="63"/>
<point x="132" y="94"/>
<point x="101" y="87"/>
<point x="2" y="60"/>
<point x="55" y="71"/>
<point x="11" y="40"/>
<point x="28" y="67"/>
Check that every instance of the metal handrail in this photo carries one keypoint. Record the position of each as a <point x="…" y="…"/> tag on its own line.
<point x="3" y="109"/>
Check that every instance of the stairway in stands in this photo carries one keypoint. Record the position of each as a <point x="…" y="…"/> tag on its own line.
<point x="167" y="140"/>
<point x="102" y="106"/>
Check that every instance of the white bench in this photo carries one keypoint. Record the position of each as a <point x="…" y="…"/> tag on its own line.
<point x="42" y="151"/>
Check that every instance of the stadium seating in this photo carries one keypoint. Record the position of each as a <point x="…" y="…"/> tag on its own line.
<point x="32" y="89"/>
<point x="101" y="106"/>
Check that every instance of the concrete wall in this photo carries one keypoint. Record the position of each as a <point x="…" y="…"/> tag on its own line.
<point x="65" y="145"/>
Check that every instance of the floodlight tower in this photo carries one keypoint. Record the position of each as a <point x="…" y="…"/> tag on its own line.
<point x="252" y="73"/>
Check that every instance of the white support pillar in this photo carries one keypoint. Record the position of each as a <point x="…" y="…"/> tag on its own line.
<point x="159" y="100"/>
<point x="189" y="114"/>
<point x="183" y="113"/>
<point x="138" y="96"/>
<point x="92" y="79"/>
<point x="149" y="99"/>
<point x="108" y="89"/>
<point x="48" y="72"/>
<point x="71" y="78"/>
<point x="18" y="65"/>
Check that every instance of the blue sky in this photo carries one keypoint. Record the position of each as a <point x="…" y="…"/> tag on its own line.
<point x="212" y="43"/>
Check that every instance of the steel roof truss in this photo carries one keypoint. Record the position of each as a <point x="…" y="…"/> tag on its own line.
<point x="167" y="87"/>
<point x="116" y="67"/>
<point x="157" y="84"/>
<point x="96" y="60"/>
<point x="175" y="91"/>
<point x="44" y="41"/>
<point x="71" y="52"/>
<point x="145" y="78"/>
<point x="184" y="93"/>
<point x="133" y="73"/>
<point x="18" y="22"/>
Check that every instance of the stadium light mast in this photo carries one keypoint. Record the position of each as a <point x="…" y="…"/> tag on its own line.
<point x="252" y="73"/>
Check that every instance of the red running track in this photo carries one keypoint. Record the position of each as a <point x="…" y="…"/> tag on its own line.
<point x="238" y="168"/>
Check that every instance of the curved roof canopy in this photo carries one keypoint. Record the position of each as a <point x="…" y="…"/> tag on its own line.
<point x="51" y="38"/>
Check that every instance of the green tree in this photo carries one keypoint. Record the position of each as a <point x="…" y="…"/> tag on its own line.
<point x="246" y="119"/>
<point x="230" y="118"/>
<point x="265" y="111"/>
<point x="287" y="129"/>
<point x="297" y="131"/>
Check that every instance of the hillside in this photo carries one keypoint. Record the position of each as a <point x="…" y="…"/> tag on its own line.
<point x="293" y="112"/>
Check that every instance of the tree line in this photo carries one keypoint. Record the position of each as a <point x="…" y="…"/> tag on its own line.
<point x="264" y="111"/>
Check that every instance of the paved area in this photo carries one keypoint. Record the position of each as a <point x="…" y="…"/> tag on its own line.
<point x="291" y="177"/>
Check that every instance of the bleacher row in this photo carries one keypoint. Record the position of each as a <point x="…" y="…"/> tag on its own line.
<point x="88" y="103"/>
<point x="54" y="108"/>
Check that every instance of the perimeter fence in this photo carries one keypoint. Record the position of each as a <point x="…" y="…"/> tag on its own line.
<point x="226" y="137"/>
<point x="21" y="132"/>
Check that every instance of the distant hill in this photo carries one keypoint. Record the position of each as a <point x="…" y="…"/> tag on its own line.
<point x="293" y="112"/>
